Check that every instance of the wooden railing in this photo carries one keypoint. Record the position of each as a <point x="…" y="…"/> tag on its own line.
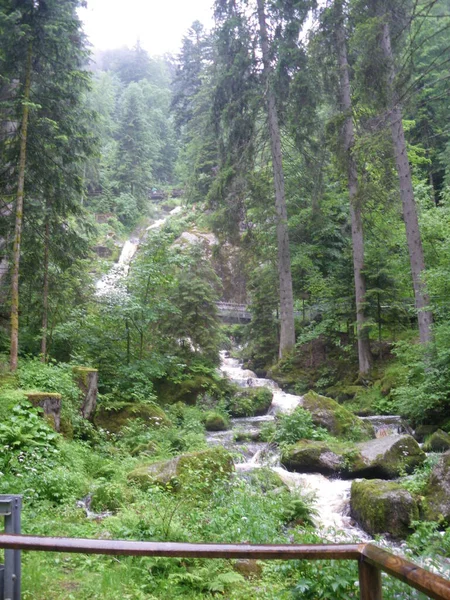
<point x="371" y="559"/>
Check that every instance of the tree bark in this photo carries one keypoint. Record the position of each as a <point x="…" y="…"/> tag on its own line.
<point x="287" y="326"/>
<point x="45" y="288"/>
<point x="19" y="217"/>
<point x="364" y="354"/>
<point x="416" y="258"/>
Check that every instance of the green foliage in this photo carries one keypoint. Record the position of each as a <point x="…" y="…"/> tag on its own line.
<point x="422" y="393"/>
<point x="249" y="401"/>
<point x="298" y="425"/>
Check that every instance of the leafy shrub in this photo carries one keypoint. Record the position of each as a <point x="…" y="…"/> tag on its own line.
<point x="298" y="425"/>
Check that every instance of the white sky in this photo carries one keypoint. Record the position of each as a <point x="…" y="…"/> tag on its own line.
<point x="159" y="24"/>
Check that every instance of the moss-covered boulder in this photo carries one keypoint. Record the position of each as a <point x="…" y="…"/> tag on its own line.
<point x="250" y="402"/>
<point x="437" y="498"/>
<point x="439" y="441"/>
<point x="194" y="473"/>
<point x="391" y="456"/>
<point x="264" y="479"/>
<point x="339" y="421"/>
<point x="309" y="456"/>
<point x="383" y="507"/>
<point x="423" y="431"/>
<point x="214" y="421"/>
<point x="116" y="416"/>
<point x="385" y="458"/>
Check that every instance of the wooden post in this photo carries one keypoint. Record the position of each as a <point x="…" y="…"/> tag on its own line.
<point x="369" y="582"/>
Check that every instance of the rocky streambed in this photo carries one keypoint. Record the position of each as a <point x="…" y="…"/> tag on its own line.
<point x="354" y="483"/>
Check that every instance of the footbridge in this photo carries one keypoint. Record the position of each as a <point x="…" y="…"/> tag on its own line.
<point x="230" y="312"/>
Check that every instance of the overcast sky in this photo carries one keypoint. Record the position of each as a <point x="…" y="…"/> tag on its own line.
<point x="159" y="24"/>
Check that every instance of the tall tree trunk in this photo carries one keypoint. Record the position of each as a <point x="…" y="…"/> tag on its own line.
<point x="416" y="258"/>
<point x="19" y="217"/>
<point x="364" y="354"/>
<point x="287" y="326"/>
<point x="45" y="287"/>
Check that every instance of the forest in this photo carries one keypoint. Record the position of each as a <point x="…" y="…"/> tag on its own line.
<point x="225" y="293"/>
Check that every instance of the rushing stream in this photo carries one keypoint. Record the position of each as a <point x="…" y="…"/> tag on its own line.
<point x="332" y="496"/>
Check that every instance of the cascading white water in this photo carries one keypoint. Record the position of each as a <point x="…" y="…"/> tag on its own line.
<point x="332" y="496"/>
<point x="110" y="283"/>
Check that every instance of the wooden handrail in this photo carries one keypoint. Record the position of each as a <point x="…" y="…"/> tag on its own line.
<point x="175" y="549"/>
<point x="371" y="559"/>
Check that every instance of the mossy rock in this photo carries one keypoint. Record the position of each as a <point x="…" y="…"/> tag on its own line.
<point x="250" y="402"/>
<point x="114" y="417"/>
<point x="339" y="421"/>
<point x="383" y="507"/>
<point x="391" y="456"/>
<point x="437" y="495"/>
<point x="439" y="441"/>
<point x="187" y="391"/>
<point x="194" y="473"/>
<point x="214" y="421"/>
<point x="264" y="479"/>
<point x="309" y="456"/>
<point x="386" y="458"/>
<point x="423" y="431"/>
<point x="342" y="393"/>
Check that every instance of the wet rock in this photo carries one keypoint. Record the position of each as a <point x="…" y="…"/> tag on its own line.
<point x="385" y="458"/>
<point x="383" y="507"/>
<point x="423" y="431"/>
<point x="390" y="456"/>
<point x="437" y="504"/>
<point x="439" y="441"/>
<point x="335" y="418"/>
<point x="309" y="456"/>
<point x="214" y="421"/>
<point x="265" y="480"/>
<point x="195" y="472"/>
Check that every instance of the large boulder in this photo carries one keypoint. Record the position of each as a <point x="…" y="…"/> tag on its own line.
<point x="339" y="421"/>
<point x="390" y="456"/>
<point x="194" y="473"/>
<point x="439" y="441"/>
<point x="437" y="498"/>
<point x="309" y="456"/>
<point x="250" y="402"/>
<point x="116" y="416"/>
<point x="383" y="507"/>
<point x="385" y="458"/>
